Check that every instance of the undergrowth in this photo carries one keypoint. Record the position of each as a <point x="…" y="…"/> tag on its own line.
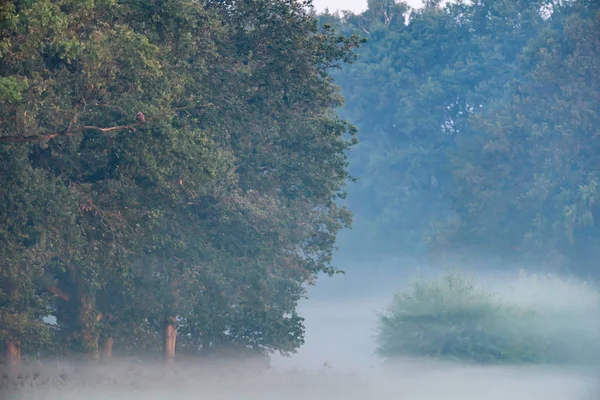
<point x="451" y="317"/>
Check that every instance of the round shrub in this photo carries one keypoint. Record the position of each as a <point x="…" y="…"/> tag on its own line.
<point x="450" y="317"/>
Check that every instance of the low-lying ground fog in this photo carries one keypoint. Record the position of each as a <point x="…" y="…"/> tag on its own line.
<point x="338" y="362"/>
<point x="409" y="379"/>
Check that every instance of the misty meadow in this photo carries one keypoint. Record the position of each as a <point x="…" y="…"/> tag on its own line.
<point x="189" y="188"/>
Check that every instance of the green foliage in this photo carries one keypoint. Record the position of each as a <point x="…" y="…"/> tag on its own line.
<point x="452" y="318"/>
<point x="11" y="90"/>
<point x="536" y="148"/>
<point x="31" y="209"/>
<point x="478" y="124"/>
<point x="214" y="212"/>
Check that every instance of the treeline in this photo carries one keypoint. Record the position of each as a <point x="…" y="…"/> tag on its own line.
<point x="167" y="168"/>
<point x="479" y="130"/>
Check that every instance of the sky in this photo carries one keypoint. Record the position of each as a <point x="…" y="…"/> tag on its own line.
<point x="355" y="6"/>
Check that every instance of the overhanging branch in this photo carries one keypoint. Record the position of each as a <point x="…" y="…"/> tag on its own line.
<point x="59" y="293"/>
<point x="68" y="132"/>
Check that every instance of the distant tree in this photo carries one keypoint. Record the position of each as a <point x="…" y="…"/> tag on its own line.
<point x="527" y="171"/>
<point x="475" y="142"/>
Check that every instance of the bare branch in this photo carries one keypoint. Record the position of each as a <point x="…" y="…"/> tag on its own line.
<point x="59" y="293"/>
<point x="72" y="269"/>
<point x="67" y="132"/>
<point x="103" y="216"/>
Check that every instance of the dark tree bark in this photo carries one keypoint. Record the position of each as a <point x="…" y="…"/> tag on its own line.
<point x="170" y="338"/>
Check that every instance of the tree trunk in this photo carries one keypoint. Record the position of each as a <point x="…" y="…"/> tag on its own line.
<point x="89" y="333"/>
<point x="13" y="354"/>
<point x="107" y="349"/>
<point x="170" y="337"/>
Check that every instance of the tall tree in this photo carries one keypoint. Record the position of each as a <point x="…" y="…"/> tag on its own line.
<point x="198" y="145"/>
<point x="32" y="214"/>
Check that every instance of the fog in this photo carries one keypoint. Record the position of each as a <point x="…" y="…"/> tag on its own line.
<point x="338" y="361"/>
<point x="409" y="380"/>
<point x="446" y="113"/>
<point x="340" y="335"/>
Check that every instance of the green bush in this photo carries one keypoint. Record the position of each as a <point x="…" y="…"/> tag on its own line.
<point x="451" y="318"/>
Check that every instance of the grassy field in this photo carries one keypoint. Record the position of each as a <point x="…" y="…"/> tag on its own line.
<point x="408" y="379"/>
<point x="448" y="337"/>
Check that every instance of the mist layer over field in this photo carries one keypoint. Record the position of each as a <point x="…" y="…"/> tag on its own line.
<point x="338" y="358"/>
<point x="409" y="380"/>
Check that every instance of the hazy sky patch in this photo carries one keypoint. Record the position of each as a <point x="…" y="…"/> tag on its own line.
<point x="355" y="6"/>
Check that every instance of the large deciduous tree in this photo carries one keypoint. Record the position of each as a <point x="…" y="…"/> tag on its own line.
<point x="223" y="194"/>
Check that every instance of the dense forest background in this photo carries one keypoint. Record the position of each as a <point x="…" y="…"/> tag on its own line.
<point x="479" y="126"/>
